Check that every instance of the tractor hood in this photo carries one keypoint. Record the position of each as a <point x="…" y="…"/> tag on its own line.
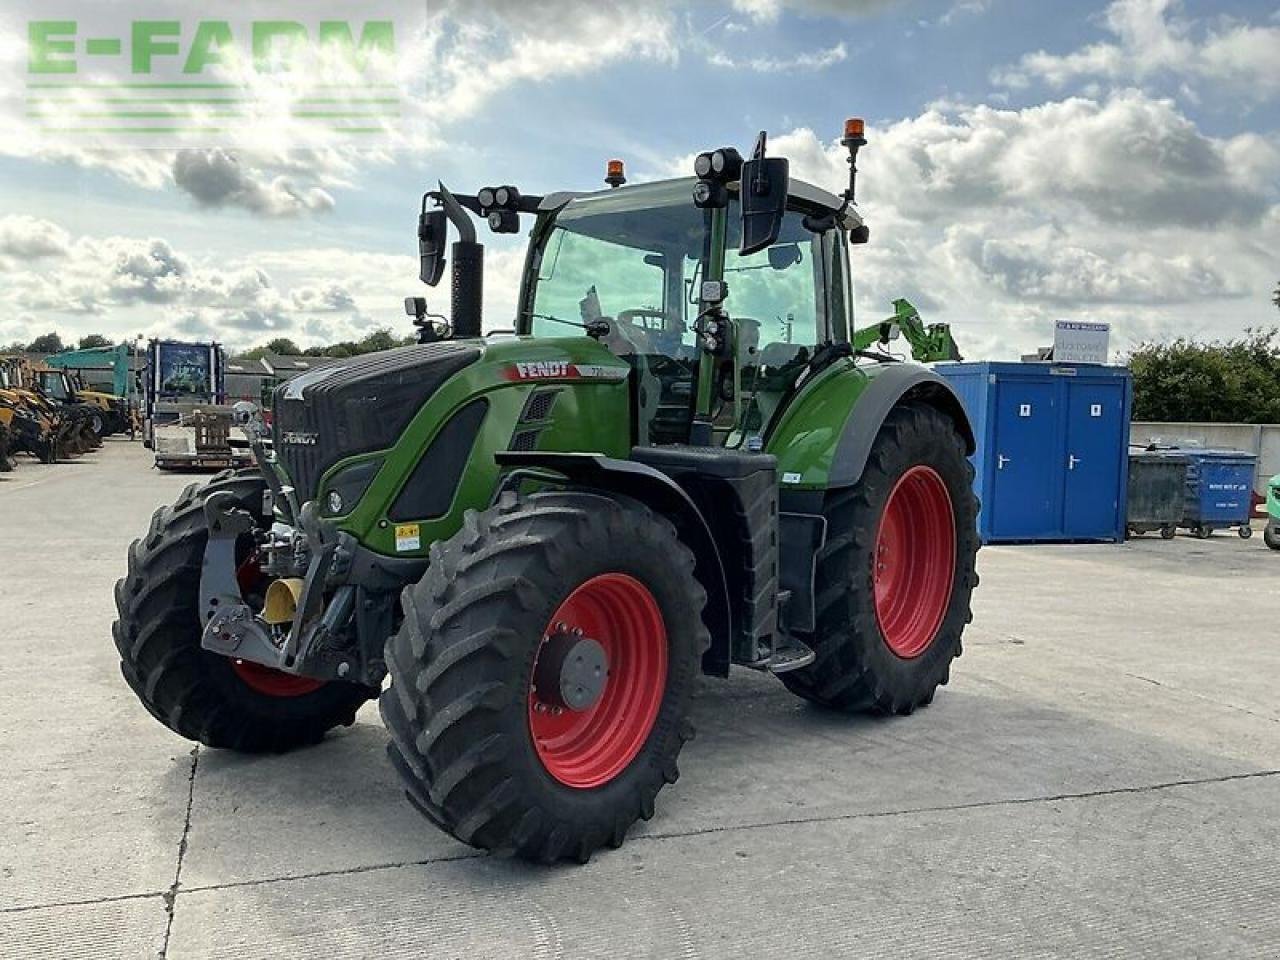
<point x="395" y="401"/>
<point x="357" y="406"/>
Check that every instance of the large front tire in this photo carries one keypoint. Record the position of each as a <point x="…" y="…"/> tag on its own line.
<point x="485" y="753"/>
<point x="895" y="577"/>
<point x="197" y="694"/>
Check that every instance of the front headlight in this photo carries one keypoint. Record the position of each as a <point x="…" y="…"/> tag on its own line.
<point x="348" y="485"/>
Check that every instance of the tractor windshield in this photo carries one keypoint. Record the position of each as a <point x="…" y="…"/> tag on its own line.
<point x="627" y="257"/>
<point x="632" y="258"/>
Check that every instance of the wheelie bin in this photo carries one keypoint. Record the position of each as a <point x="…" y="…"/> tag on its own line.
<point x="1219" y="491"/>
<point x="1156" y="491"/>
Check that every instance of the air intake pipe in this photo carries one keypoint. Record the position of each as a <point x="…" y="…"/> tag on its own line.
<point x="467" y="286"/>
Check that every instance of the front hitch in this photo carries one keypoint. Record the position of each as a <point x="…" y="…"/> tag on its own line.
<point x="313" y="646"/>
<point x="231" y="627"/>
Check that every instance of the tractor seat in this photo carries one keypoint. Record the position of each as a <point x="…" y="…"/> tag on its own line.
<point x="775" y="356"/>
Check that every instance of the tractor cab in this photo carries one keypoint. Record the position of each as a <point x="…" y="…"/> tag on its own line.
<point x="55" y="384"/>
<point x="629" y="266"/>
<point x="721" y="291"/>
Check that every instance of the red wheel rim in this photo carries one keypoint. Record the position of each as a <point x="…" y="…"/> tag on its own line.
<point x="588" y="748"/>
<point x="915" y="562"/>
<point x="260" y="679"/>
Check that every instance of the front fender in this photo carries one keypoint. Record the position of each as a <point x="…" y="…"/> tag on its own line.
<point x="663" y="495"/>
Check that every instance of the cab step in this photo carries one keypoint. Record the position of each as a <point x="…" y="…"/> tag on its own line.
<point x="792" y="656"/>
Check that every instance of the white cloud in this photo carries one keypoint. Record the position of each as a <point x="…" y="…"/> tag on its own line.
<point x="800" y="63"/>
<point x="1000" y="221"/>
<point x="768" y="11"/>
<point x="1153" y="38"/>
<point x="218" y="178"/>
<point x="30" y="238"/>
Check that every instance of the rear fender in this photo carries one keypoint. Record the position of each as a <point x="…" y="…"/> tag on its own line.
<point x="662" y="495"/>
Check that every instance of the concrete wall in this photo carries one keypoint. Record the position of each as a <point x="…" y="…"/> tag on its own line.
<point x="1261" y="439"/>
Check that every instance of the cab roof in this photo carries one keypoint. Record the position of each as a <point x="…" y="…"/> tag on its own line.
<point x="668" y="192"/>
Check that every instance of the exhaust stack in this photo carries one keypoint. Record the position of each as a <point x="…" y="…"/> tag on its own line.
<point x="467" y="288"/>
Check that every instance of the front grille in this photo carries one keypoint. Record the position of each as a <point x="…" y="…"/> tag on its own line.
<point x="357" y="406"/>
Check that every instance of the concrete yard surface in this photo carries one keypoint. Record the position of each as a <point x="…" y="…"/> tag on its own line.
<point x="1100" y="778"/>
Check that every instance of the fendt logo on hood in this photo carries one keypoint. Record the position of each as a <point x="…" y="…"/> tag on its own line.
<point x="297" y="438"/>
<point x="563" y="370"/>
<point x="542" y="369"/>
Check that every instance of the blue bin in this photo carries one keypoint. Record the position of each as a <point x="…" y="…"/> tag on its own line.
<point x="1219" y="490"/>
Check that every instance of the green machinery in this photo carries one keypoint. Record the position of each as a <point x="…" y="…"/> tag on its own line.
<point x="1271" y="534"/>
<point x="679" y="461"/>
<point x="928" y="344"/>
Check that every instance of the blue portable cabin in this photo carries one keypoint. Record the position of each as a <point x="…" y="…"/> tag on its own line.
<point x="1051" y="463"/>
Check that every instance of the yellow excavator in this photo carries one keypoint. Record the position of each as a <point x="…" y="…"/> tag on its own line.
<point x="6" y="435"/>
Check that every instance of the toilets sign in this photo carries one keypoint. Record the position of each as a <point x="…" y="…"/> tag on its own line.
<point x="1077" y="342"/>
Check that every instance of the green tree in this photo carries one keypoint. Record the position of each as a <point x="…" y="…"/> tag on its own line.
<point x="1233" y="381"/>
<point x="382" y="339"/>
<point x="48" y="343"/>
<point x="284" y="346"/>
<point x="93" y="340"/>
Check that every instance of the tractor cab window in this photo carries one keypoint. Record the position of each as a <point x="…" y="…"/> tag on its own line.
<point x="778" y="298"/>
<point x="53" y="385"/>
<point x="630" y="259"/>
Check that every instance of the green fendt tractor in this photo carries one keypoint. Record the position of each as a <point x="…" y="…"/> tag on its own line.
<point x="675" y="463"/>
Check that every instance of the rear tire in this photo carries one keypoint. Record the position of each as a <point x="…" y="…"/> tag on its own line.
<point x="866" y="658"/>
<point x="1271" y="535"/>
<point x="1168" y="531"/>
<point x="198" y="694"/>
<point x="466" y="734"/>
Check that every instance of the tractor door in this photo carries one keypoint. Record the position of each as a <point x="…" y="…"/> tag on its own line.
<point x="786" y="300"/>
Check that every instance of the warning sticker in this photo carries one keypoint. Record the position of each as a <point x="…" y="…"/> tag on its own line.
<point x="408" y="537"/>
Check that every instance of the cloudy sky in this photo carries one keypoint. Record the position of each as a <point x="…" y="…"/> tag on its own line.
<point x="1028" y="161"/>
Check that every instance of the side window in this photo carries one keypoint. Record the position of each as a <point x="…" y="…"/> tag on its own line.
<point x="776" y="294"/>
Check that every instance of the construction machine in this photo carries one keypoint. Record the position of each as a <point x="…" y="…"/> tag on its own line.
<point x="114" y="410"/>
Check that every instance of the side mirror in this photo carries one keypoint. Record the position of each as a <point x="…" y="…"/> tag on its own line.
<point x="765" y="185"/>
<point x="432" y="237"/>
<point x="784" y="255"/>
